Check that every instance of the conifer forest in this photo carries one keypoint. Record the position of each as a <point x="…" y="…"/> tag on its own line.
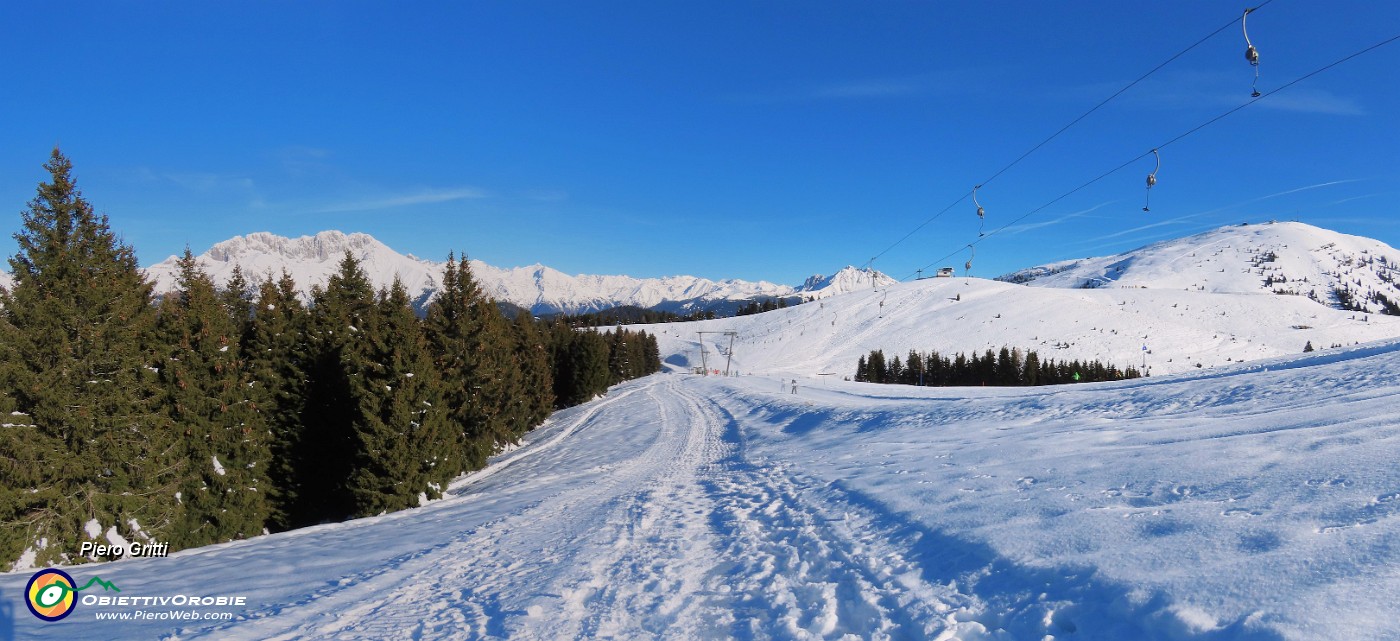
<point x="224" y="411"/>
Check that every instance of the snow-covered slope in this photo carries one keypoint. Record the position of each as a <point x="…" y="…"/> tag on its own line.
<point x="1182" y="330"/>
<point x="1276" y="258"/>
<point x="312" y="259"/>
<point x="1241" y="504"/>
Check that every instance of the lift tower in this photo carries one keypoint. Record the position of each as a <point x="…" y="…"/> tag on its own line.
<point x="729" y="357"/>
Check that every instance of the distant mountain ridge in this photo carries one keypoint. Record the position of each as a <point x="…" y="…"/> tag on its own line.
<point x="312" y="259"/>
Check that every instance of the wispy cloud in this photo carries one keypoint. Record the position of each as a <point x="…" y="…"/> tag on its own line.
<point x="1305" y="188"/>
<point x="202" y="181"/>
<point x="1180" y="220"/>
<point x="546" y="195"/>
<point x="1195" y="89"/>
<point x="1017" y="229"/>
<point x="301" y="160"/>
<point x="1361" y="197"/>
<point x="871" y="88"/>
<point x="1385" y="221"/>
<point x="424" y="197"/>
<point x="943" y="83"/>
<point x="1184" y="220"/>
<point x="1313" y="101"/>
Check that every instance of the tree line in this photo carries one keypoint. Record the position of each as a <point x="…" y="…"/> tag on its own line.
<point x="760" y="306"/>
<point x="223" y="412"/>
<point x="1007" y="367"/>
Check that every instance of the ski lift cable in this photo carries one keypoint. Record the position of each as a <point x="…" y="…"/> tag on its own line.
<point x="1120" y="92"/>
<point x="1067" y="127"/>
<point x="1172" y="141"/>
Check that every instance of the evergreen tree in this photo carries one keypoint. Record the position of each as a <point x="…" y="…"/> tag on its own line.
<point x="237" y="300"/>
<point x="619" y="356"/>
<point x="276" y="351"/>
<point x="896" y="371"/>
<point x="653" y="354"/>
<point x="875" y="367"/>
<point x="402" y="443"/>
<point x="224" y="438"/>
<point x="472" y="349"/>
<point x="339" y="355"/>
<point x="77" y="327"/>
<point x="580" y="365"/>
<point x="537" y="385"/>
<point x="913" y="369"/>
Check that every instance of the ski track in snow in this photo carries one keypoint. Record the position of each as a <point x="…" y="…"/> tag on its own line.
<point x="686" y="538"/>
<point x="687" y="541"/>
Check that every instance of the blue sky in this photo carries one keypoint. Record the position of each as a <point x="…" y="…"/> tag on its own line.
<point x="765" y="140"/>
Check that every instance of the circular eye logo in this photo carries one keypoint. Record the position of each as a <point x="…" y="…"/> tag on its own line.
<point x="50" y="594"/>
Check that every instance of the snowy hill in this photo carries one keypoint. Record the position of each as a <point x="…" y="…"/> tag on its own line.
<point x="1274" y="258"/>
<point x="849" y="279"/>
<point x="1181" y="329"/>
<point x="312" y="259"/>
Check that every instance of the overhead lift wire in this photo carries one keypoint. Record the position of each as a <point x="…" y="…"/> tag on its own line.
<point x="1174" y="140"/>
<point x="1065" y="128"/>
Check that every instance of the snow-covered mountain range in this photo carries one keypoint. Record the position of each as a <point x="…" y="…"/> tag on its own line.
<point x="312" y="259"/>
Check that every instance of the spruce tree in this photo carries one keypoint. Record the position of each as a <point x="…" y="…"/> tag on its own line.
<point x="338" y="356"/>
<point x="619" y="356"/>
<point x="402" y="445"/>
<point x="537" y="385"/>
<point x="472" y="349"/>
<point x="277" y="351"/>
<point x="1032" y="369"/>
<point x="97" y="452"/>
<point x="222" y="431"/>
<point x="653" y="354"/>
<point x="237" y="299"/>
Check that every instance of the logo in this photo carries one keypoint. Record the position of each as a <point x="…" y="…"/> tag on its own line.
<point x="51" y="594"/>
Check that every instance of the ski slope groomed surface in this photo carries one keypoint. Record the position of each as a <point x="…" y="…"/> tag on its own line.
<point x="1250" y="502"/>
